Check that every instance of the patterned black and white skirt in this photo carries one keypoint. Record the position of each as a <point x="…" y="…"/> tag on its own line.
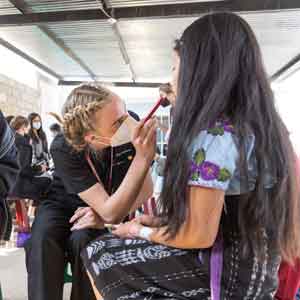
<point x="137" y="269"/>
<point x="125" y="269"/>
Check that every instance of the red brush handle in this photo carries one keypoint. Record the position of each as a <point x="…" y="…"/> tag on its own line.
<point x="154" y="109"/>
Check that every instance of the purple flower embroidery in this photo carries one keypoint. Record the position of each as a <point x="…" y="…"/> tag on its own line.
<point x="194" y="171"/>
<point x="228" y="126"/>
<point x="209" y="171"/>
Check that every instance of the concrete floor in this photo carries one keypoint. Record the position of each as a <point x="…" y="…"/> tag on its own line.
<point x="13" y="276"/>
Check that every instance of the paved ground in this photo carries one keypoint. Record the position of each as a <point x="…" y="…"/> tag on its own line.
<point x="13" y="275"/>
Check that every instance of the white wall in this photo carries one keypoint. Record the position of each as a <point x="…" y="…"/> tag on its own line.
<point x="51" y="102"/>
<point x="287" y="95"/>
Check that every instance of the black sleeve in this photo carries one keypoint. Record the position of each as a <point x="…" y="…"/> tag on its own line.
<point x="25" y="163"/>
<point x="46" y="146"/>
<point x="45" y="142"/>
<point x="73" y="170"/>
<point x="25" y="159"/>
<point x="9" y="167"/>
<point x="46" y="150"/>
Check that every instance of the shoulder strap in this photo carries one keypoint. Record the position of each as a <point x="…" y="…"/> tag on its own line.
<point x="88" y="159"/>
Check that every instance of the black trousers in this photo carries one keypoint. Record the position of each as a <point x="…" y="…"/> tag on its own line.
<point x="51" y="245"/>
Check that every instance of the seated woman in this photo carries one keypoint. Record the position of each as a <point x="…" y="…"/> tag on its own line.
<point x="229" y="204"/>
<point x="28" y="184"/>
<point x="101" y="175"/>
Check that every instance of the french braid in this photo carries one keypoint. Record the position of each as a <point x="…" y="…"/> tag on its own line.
<point x="79" y="110"/>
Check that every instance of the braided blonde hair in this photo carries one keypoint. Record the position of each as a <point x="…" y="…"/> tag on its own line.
<point x="79" y="110"/>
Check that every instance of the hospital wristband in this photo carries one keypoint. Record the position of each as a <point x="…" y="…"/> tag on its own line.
<point x="145" y="233"/>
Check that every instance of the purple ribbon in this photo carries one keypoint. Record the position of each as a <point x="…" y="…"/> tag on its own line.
<point x="216" y="267"/>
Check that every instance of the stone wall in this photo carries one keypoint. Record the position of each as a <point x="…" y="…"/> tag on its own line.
<point x="17" y="98"/>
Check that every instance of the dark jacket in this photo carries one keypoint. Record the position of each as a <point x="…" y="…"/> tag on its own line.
<point x="9" y="169"/>
<point x="27" y="184"/>
<point x="25" y="157"/>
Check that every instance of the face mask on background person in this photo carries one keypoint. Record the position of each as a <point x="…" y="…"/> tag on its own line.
<point x="36" y="125"/>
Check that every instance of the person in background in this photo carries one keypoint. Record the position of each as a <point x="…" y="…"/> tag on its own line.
<point x="9" y="169"/>
<point x="21" y="125"/>
<point x="55" y="129"/>
<point x="29" y="184"/>
<point x="166" y="92"/>
<point x="38" y="141"/>
<point x="230" y="205"/>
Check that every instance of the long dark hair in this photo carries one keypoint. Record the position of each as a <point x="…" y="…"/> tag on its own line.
<point x="222" y="74"/>
<point x="40" y="133"/>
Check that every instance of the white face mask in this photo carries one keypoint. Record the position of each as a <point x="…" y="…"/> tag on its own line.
<point x="36" y="125"/>
<point x="124" y="134"/>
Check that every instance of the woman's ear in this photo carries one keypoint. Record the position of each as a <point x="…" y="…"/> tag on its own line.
<point x="89" y="138"/>
<point x="95" y="141"/>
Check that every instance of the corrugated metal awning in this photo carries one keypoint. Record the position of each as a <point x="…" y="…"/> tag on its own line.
<point x="61" y="5"/>
<point x="131" y="3"/>
<point x="7" y="8"/>
<point x="97" y="46"/>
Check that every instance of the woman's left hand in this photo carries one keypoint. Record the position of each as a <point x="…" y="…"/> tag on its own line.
<point x="86" y="218"/>
<point x="128" y="230"/>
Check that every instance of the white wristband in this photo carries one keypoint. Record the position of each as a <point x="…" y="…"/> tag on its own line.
<point x="145" y="233"/>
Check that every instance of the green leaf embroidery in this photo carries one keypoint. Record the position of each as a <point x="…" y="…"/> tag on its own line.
<point x="224" y="175"/>
<point x="216" y="131"/>
<point x="199" y="156"/>
<point x="195" y="176"/>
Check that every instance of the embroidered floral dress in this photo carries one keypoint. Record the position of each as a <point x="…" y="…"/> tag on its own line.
<point x="138" y="269"/>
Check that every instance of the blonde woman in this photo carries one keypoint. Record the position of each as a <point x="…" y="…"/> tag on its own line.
<point x="94" y="183"/>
